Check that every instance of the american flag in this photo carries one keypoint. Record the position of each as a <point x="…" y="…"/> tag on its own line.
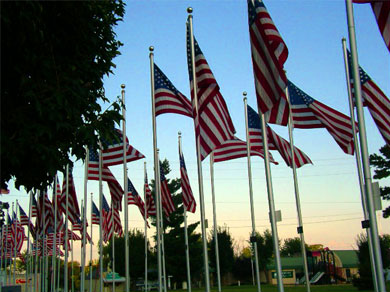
<point x="150" y="205"/>
<point x="166" y="197"/>
<point x="167" y="98"/>
<point x="376" y="101"/>
<point x="113" y="152"/>
<point x="213" y="124"/>
<point x="74" y="211"/>
<point x="117" y="221"/>
<point x="95" y="218"/>
<point x="133" y="198"/>
<point x="115" y="188"/>
<point x="188" y="198"/>
<point x="57" y="197"/>
<point x="237" y="148"/>
<point x="24" y="220"/>
<point x="275" y="142"/>
<point x="17" y="233"/>
<point x="34" y="207"/>
<point x="308" y="113"/>
<point x="269" y="52"/>
<point x="381" y="10"/>
<point x="107" y="221"/>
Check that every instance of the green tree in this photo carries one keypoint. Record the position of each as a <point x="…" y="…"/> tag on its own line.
<point x="291" y="247"/>
<point x="54" y="57"/>
<point x="265" y="249"/>
<point x="364" y="281"/>
<point x="242" y="268"/>
<point x="226" y="251"/>
<point x="175" y="257"/>
<point x="381" y="164"/>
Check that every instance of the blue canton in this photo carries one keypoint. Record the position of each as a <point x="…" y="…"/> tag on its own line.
<point x="297" y="96"/>
<point x="131" y="188"/>
<point x="253" y="119"/>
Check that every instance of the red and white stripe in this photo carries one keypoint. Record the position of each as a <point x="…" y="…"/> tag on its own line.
<point x="74" y="211"/>
<point x="188" y="198"/>
<point x="166" y="197"/>
<point x="269" y="52"/>
<point x="150" y="205"/>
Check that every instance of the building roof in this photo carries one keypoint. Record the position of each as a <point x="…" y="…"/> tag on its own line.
<point x="287" y="263"/>
<point x="348" y="258"/>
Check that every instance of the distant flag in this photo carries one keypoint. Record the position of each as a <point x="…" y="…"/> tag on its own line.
<point x="117" y="221"/>
<point x="237" y="148"/>
<point x="150" y="205"/>
<point x="376" y="101"/>
<point x="188" y="198"/>
<point x="269" y="53"/>
<point x="167" y="98"/>
<point x="34" y="207"/>
<point x="275" y="142"/>
<point x="113" y="151"/>
<point x="381" y="10"/>
<point x="57" y="197"/>
<point x="24" y="219"/>
<point x="95" y="215"/>
<point x="213" y="124"/>
<point x="107" y="222"/>
<point x="166" y="197"/>
<point x="4" y="191"/>
<point x="134" y="199"/>
<point x="308" y="113"/>
<point x="74" y="211"/>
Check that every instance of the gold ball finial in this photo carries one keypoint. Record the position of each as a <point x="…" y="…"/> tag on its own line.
<point x="123" y="86"/>
<point x="189" y="9"/>
<point x="151" y="48"/>
<point x="179" y="133"/>
<point x="244" y="94"/>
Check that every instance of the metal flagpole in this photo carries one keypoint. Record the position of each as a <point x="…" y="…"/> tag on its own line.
<point x="253" y="235"/>
<point x="187" y="247"/>
<point x="36" y="253"/>
<point x="162" y="230"/>
<point x="215" y="227"/>
<point x="42" y="274"/>
<point x="2" y="254"/>
<point x="127" y="276"/>
<point x="90" y="255"/>
<point x="66" y="230"/>
<point x="54" y="256"/>
<point x="156" y="169"/>
<point x="146" y="235"/>
<point x="199" y="162"/>
<point x="364" y="149"/>
<point x="100" y="220"/>
<point x="15" y="227"/>
<point x="271" y="203"/>
<point x="6" y="250"/>
<point x="359" y="168"/>
<point x="84" y="244"/>
<point x="58" y="273"/>
<point x="71" y="258"/>
<point x="113" y="247"/>
<point x="297" y="198"/>
<point x="27" y="287"/>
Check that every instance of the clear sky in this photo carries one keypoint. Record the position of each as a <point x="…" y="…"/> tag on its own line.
<point x="312" y="30"/>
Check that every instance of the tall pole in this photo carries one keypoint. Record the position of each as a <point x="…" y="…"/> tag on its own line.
<point x="27" y="286"/>
<point x="253" y="235"/>
<point x="84" y="222"/>
<point x="100" y="221"/>
<point x="54" y="256"/>
<point x="156" y="169"/>
<point x="271" y="203"/>
<point x="71" y="265"/>
<point x="187" y="247"/>
<point x="15" y="227"/>
<point x="364" y="149"/>
<point x="199" y="162"/>
<point x="36" y="256"/>
<point x="90" y="254"/>
<point x="113" y="246"/>
<point x="66" y="230"/>
<point x="297" y="198"/>
<point x="359" y="168"/>
<point x="127" y="276"/>
<point x="215" y="225"/>
<point x="6" y="251"/>
<point x="146" y="235"/>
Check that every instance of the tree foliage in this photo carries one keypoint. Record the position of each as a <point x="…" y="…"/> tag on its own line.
<point x="291" y="247"/>
<point x="381" y="164"/>
<point x="242" y="268"/>
<point x="364" y="282"/>
<point x="54" y="57"/>
<point x="265" y="249"/>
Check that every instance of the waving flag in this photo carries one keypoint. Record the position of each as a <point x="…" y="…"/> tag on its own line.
<point x="236" y="148"/>
<point x="213" y="124"/>
<point x="166" y="197"/>
<point x="24" y="220"/>
<point x="134" y="199"/>
<point x="188" y="198"/>
<point x="117" y="222"/>
<point x="73" y="211"/>
<point x="113" y="151"/>
<point x="107" y="221"/>
<point x="167" y="98"/>
<point x="381" y="9"/>
<point x="275" y="142"/>
<point x="376" y="101"/>
<point x="57" y="197"/>
<point x="95" y="215"/>
<point x="269" y="52"/>
<point x="34" y="207"/>
<point x="150" y="205"/>
<point x="308" y="113"/>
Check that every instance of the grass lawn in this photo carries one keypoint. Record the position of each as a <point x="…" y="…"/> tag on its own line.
<point x="287" y="288"/>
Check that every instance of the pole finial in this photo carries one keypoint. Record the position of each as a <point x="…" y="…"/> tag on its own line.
<point x="123" y="86"/>
<point x="343" y="39"/>
<point x="151" y="48"/>
<point x="189" y="10"/>
<point x="179" y="133"/>
<point x="244" y="94"/>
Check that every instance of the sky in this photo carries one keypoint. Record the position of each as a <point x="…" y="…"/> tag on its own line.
<point x="312" y="31"/>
